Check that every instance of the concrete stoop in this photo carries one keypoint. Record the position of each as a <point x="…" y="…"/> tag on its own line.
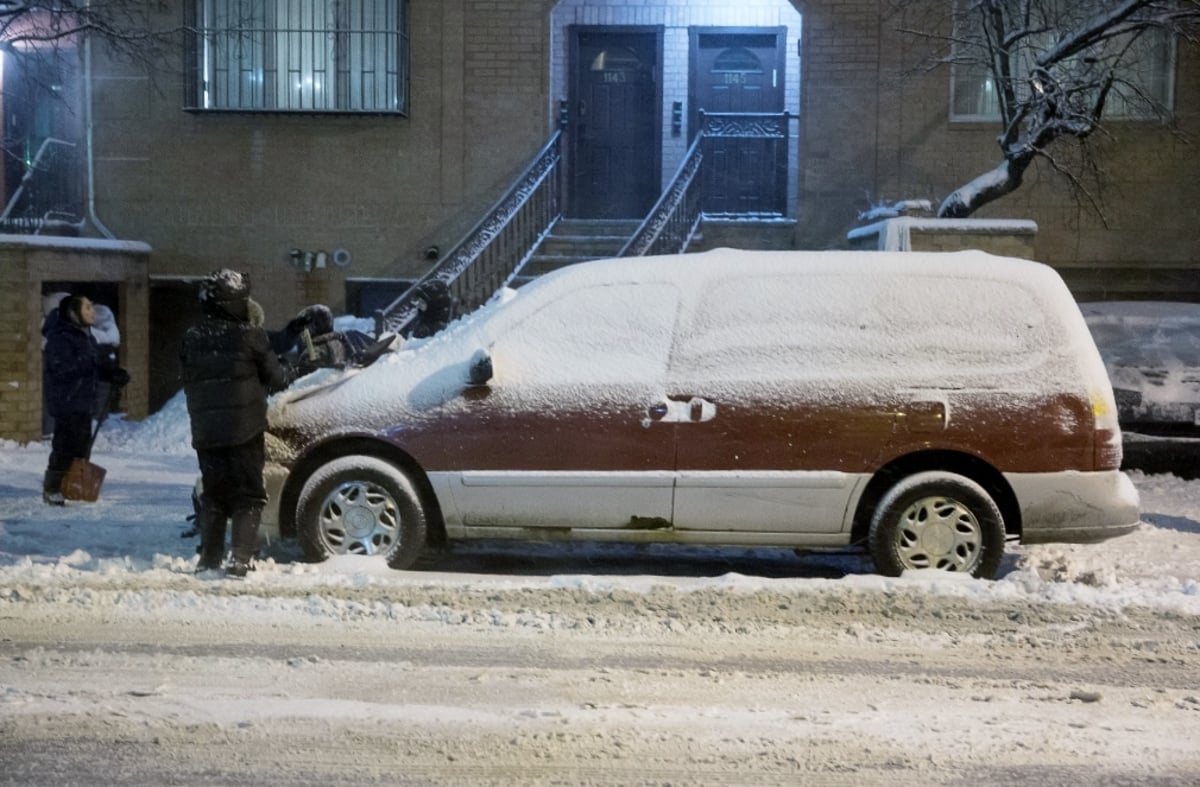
<point x="577" y="240"/>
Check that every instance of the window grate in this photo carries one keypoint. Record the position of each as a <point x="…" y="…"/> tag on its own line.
<point x="339" y="56"/>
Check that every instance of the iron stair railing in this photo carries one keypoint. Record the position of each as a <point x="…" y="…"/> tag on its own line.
<point x="499" y="246"/>
<point x="496" y="248"/>
<point x="672" y="223"/>
<point x="47" y="194"/>
<point x="673" y="220"/>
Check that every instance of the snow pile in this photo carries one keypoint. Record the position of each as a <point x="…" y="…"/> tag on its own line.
<point x="860" y="320"/>
<point x="904" y="207"/>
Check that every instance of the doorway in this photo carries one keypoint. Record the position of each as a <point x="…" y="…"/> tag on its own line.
<point x="737" y="86"/>
<point x="613" y="121"/>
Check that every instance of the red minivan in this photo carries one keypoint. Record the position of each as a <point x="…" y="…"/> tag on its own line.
<point x="927" y="407"/>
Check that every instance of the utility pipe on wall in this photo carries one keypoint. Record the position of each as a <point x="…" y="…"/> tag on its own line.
<point x="89" y="140"/>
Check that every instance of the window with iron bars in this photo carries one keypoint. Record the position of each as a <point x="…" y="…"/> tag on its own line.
<point x="336" y="56"/>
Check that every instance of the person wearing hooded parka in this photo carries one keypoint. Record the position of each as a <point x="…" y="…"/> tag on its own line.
<point x="74" y="367"/>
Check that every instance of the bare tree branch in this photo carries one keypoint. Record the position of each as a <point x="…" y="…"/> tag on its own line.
<point x="1070" y="172"/>
<point x="1056" y="67"/>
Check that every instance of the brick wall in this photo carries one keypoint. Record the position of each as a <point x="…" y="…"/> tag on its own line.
<point x="25" y="263"/>
<point x="20" y="356"/>
<point x="227" y="189"/>
<point x="1008" y="239"/>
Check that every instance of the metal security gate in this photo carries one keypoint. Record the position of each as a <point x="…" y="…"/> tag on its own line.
<point x="737" y="100"/>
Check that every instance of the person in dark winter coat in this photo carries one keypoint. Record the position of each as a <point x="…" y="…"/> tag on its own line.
<point x="229" y="369"/>
<point x="74" y="367"/>
<point x="435" y="308"/>
<point x="310" y="342"/>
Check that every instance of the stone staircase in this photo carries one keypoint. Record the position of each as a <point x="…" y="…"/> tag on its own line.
<point x="577" y="240"/>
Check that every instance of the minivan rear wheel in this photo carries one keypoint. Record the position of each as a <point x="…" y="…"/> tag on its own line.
<point x="361" y="505"/>
<point x="937" y="520"/>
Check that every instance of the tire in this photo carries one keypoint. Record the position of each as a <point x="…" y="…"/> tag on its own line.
<point x="937" y="520"/>
<point x="361" y="505"/>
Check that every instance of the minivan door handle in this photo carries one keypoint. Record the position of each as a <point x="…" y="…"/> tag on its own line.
<point x="701" y="410"/>
<point x="682" y="410"/>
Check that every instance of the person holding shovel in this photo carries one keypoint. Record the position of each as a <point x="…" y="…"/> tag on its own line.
<point x="74" y="367"/>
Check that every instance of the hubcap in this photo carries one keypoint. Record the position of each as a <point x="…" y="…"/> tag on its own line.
<point x="940" y="532"/>
<point x="359" y="518"/>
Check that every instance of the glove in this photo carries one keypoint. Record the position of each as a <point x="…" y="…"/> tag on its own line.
<point x="296" y="325"/>
<point x="120" y="377"/>
<point x="294" y="366"/>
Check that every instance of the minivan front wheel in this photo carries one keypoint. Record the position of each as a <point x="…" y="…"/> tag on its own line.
<point x="937" y="520"/>
<point x="361" y="505"/>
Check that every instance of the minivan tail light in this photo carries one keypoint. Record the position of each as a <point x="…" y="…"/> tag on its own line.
<point x="1107" y="451"/>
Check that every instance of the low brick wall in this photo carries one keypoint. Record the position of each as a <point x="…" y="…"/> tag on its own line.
<point x="1006" y="237"/>
<point x="26" y="264"/>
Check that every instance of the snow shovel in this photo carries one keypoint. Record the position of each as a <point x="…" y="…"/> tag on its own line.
<point x="83" y="478"/>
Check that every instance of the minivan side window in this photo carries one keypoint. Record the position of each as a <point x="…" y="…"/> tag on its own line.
<point x="919" y="329"/>
<point x="613" y="333"/>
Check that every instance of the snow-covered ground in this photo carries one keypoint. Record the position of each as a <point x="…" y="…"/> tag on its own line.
<point x="516" y="664"/>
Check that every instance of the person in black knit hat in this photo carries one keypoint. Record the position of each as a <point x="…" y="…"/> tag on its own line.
<point x="229" y="370"/>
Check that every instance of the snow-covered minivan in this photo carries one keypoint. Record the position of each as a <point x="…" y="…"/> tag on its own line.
<point x="927" y="407"/>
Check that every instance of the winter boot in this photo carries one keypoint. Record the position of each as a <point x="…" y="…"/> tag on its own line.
<point x="245" y="540"/>
<point x="237" y="568"/>
<point x="212" y="539"/>
<point x="52" y="488"/>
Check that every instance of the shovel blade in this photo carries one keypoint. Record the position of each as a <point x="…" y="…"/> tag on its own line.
<point x="82" y="481"/>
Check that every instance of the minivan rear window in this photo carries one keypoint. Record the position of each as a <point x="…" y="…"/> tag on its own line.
<point x="913" y="328"/>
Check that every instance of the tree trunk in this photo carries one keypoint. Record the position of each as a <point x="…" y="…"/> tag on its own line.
<point x="988" y="187"/>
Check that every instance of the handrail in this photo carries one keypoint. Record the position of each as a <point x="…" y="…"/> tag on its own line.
<point x="495" y="248"/>
<point x="30" y="170"/>
<point x="672" y="222"/>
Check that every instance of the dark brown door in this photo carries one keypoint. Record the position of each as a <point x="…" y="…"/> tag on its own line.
<point x="740" y="72"/>
<point x="613" y="123"/>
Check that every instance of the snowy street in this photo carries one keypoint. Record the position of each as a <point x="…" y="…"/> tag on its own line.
<point x="506" y="665"/>
<point x="570" y="686"/>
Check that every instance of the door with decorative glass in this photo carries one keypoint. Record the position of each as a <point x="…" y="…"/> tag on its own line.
<point x="737" y="97"/>
<point x="613" y="122"/>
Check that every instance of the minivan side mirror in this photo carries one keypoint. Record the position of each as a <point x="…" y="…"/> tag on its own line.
<point x="481" y="369"/>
